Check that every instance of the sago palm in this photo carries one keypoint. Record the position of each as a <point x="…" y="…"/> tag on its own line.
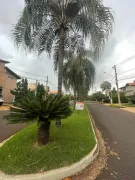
<point x="44" y="22"/>
<point x="43" y="111"/>
<point x="79" y="75"/>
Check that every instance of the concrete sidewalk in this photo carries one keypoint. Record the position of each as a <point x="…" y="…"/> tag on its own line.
<point x="129" y="109"/>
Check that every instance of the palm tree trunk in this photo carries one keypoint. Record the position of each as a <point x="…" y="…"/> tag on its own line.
<point x="60" y="69"/>
<point x="74" y="97"/>
<point x="61" y="58"/>
<point x="43" y="133"/>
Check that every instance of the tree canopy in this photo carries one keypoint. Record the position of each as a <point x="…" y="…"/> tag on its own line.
<point x="79" y="75"/>
<point x="105" y="86"/>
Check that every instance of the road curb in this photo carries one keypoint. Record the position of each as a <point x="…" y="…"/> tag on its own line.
<point x="61" y="173"/>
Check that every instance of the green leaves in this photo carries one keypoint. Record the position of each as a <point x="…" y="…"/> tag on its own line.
<point x="105" y="86"/>
<point x="32" y="108"/>
<point x="41" y="20"/>
<point x="79" y="74"/>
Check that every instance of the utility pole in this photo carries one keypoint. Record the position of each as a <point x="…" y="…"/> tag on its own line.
<point x="36" y="88"/>
<point x="111" y="98"/>
<point x="46" y="87"/>
<point x="116" y="78"/>
<point x="46" y="83"/>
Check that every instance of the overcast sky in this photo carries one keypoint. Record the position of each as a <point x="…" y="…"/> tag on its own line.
<point x="120" y="46"/>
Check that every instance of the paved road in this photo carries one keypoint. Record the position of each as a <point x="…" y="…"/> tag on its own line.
<point x="6" y="130"/>
<point x="118" y="130"/>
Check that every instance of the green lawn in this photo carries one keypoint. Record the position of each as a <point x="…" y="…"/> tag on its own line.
<point x="129" y="105"/>
<point x="68" y="144"/>
<point x="115" y="106"/>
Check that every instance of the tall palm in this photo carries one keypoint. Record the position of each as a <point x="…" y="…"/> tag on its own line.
<point x="44" y="22"/>
<point x="79" y="75"/>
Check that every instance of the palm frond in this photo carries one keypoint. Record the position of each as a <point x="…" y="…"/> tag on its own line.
<point x="78" y="72"/>
<point x="33" y="108"/>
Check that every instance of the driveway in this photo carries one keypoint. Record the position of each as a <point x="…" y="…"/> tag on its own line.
<point x="6" y="130"/>
<point x="118" y="130"/>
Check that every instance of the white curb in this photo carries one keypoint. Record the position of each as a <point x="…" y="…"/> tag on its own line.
<point x="61" y="173"/>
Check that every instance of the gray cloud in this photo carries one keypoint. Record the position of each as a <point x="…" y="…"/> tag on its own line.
<point x="120" y="45"/>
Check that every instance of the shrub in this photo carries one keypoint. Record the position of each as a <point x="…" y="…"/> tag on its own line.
<point x="106" y="100"/>
<point x="123" y="98"/>
<point x="43" y="111"/>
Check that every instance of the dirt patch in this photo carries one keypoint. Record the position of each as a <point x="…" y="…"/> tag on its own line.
<point x="4" y="108"/>
<point x="130" y="109"/>
<point x="98" y="165"/>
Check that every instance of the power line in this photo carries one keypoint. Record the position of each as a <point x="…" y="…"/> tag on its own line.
<point x="26" y="77"/>
<point x="126" y="71"/>
<point x="126" y="60"/>
<point x="32" y="78"/>
<point x="52" y="84"/>
<point x="113" y="79"/>
<point x="127" y="78"/>
<point x="27" y="72"/>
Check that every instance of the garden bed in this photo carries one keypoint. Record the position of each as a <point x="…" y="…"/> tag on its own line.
<point x="68" y="144"/>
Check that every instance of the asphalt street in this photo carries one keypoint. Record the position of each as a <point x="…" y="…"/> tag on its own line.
<point x="118" y="131"/>
<point x="6" y="130"/>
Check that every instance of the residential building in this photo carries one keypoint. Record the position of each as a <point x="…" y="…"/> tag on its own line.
<point x="32" y="87"/>
<point x="54" y="92"/>
<point x="128" y="89"/>
<point x="8" y="80"/>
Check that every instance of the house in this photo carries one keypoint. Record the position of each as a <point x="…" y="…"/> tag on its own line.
<point x="32" y="87"/>
<point x="8" y="80"/>
<point x="54" y="92"/>
<point x="128" y="89"/>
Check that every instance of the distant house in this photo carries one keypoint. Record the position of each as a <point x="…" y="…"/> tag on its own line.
<point x="8" y="80"/>
<point x="54" y="92"/>
<point x="32" y="87"/>
<point x="128" y="89"/>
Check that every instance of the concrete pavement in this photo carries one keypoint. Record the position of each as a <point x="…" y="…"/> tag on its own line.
<point x="118" y="130"/>
<point x="6" y="130"/>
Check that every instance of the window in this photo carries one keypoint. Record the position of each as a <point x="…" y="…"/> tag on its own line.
<point x="10" y="77"/>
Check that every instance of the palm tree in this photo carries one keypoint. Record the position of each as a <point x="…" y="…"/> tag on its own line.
<point x="78" y="74"/>
<point x="43" y="111"/>
<point x="46" y="22"/>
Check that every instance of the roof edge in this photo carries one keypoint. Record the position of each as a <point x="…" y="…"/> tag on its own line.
<point x="12" y="72"/>
<point x="6" y="62"/>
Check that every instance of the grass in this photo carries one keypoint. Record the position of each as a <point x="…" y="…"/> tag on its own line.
<point x="116" y="106"/>
<point x="129" y="105"/>
<point x="68" y="144"/>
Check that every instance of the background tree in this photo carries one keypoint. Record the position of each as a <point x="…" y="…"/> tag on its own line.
<point x="105" y="86"/>
<point x="123" y="98"/>
<point x="45" y="22"/>
<point x="20" y="91"/>
<point x="98" y="96"/>
<point x="79" y="75"/>
<point x="41" y="110"/>
<point x="41" y="91"/>
<point x="114" y="91"/>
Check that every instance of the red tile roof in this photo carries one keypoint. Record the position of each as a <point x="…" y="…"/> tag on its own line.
<point x="130" y="84"/>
